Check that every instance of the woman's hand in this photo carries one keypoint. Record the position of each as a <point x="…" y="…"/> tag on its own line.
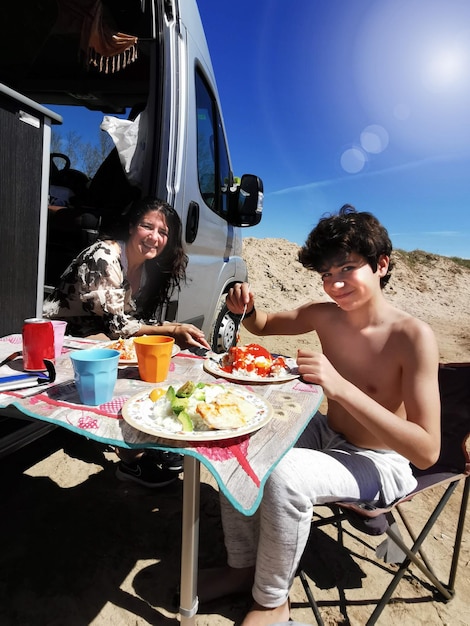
<point x="187" y="335"/>
<point x="239" y="296"/>
<point x="315" y="368"/>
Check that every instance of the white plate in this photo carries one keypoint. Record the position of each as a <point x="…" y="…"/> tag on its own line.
<point x="175" y="349"/>
<point x="213" y="367"/>
<point x="137" y="412"/>
<point x="80" y="343"/>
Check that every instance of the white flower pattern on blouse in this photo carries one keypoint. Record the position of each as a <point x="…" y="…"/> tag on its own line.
<point x="94" y="296"/>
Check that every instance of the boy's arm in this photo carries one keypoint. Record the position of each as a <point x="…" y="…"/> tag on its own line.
<point x="418" y="436"/>
<point x="258" y="322"/>
<point x="294" y="322"/>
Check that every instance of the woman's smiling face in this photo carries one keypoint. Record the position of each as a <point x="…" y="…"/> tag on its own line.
<point x="149" y="236"/>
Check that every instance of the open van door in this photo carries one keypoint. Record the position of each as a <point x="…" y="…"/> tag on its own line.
<point x="204" y="190"/>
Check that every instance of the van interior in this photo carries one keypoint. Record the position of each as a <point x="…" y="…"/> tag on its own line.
<point x="95" y="54"/>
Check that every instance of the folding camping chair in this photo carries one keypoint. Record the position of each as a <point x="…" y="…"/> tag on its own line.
<point x="452" y="468"/>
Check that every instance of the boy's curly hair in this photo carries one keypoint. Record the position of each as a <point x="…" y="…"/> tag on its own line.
<point x="336" y="236"/>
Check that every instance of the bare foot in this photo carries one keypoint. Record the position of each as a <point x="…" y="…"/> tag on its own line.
<point x="261" y="616"/>
<point x="223" y="581"/>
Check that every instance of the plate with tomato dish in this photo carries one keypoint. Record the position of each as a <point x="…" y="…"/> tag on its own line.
<point x="252" y="363"/>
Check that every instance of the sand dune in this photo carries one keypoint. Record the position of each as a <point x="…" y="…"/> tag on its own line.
<point x="434" y="288"/>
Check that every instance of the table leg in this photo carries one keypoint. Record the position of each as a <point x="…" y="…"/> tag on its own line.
<point x="190" y="541"/>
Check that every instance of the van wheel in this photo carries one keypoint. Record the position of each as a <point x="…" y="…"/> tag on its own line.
<point x="224" y="333"/>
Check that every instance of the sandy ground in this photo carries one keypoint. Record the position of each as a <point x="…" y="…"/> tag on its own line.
<point x="79" y="547"/>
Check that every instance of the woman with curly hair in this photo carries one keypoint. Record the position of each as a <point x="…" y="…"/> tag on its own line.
<point x="119" y="287"/>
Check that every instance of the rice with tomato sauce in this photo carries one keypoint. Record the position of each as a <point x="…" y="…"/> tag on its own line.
<point x="253" y="361"/>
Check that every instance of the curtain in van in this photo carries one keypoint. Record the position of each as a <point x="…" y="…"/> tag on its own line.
<point x="104" y="46"/>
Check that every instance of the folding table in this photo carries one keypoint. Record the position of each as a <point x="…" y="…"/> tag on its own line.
<point x="240" y="465"/>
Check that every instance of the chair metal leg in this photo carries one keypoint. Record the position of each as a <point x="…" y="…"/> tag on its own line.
<point x="311" y="599"/>
<point x="422" y="563"/>
<point x="335" y="520"/>
<point x="413" y="537"/>
<point x="459" y="533"/>
<point x="411" y="557"/>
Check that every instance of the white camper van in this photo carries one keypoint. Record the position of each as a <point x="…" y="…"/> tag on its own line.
<point x="158" y="96"/>
<point x="145" y="66"/>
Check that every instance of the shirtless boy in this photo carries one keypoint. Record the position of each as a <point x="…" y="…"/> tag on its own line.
<point x="378" y="369"/>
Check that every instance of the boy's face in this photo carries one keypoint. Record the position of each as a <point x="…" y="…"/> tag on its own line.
<point x="350" y="281"/>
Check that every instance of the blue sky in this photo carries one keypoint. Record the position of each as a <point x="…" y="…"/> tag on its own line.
<point x="364" y="102"/>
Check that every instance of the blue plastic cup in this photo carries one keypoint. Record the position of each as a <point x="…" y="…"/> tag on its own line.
<point x="95" y="374"/>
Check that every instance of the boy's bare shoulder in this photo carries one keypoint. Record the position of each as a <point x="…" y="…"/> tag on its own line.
<point x="403" y="317"/>
<point x="410" y="326"/>
<point x="320" y="306"/>
<point x="312" y="315"/>
<point x="317" y="310"/>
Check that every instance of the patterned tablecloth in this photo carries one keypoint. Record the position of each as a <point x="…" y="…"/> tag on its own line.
<point x="240" y="465"/>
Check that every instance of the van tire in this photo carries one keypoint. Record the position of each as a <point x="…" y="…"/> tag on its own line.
<point x="224" y="332"/>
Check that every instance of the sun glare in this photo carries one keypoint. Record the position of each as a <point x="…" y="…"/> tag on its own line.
<point x="412" y="70"/>
<point x="447" y="69"/>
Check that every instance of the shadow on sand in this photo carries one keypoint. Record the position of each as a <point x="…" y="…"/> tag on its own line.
<point x="67" y="552"/>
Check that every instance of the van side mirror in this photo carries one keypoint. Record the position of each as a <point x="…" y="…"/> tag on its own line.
<point x="246" y="201"/>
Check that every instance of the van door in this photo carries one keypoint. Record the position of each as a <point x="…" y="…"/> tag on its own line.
<point x="199" y="185"/>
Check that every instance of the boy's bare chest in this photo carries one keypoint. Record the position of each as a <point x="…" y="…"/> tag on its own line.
<point x="368" y="359"/>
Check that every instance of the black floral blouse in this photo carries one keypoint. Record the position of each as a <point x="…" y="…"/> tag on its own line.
<point x="94" y="295"/>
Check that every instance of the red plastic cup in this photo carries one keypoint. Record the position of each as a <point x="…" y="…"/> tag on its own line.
<point x="38" y="344"/>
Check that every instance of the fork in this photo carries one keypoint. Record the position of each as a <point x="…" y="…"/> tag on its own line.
<point x="240" y="322"/>
<point x="243" y="315"/>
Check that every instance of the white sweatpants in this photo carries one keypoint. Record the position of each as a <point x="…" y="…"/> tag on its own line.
<point x="323" y="467"/>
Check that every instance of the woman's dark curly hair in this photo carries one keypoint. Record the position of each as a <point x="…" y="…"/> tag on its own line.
<point x="336" y="236"/>
<point x="167" y="271"/>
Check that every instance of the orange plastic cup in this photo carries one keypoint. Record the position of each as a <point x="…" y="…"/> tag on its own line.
<point x="153" y="357"/>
